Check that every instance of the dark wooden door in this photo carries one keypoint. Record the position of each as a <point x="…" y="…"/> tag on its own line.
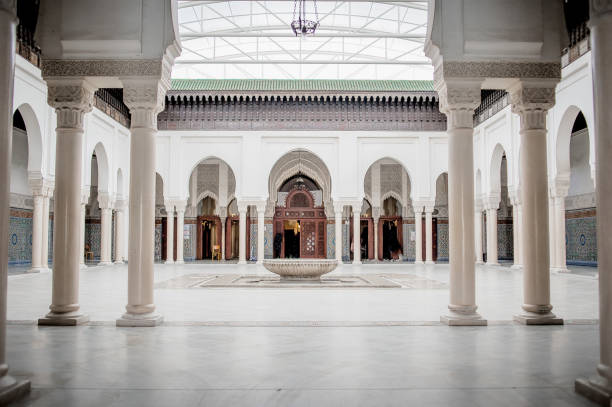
<point x="308" y="237"/>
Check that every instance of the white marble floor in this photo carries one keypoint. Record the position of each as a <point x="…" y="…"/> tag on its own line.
<point x="303" y="346"/>
<point x="499" y="295"/>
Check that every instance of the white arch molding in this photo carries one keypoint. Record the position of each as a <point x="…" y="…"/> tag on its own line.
<point x="34" y="135"/>
<point x="231" y="175"/>
<point x="495" y="169"/>
<point x="103" y="168"/>
<point x="562" y="147"/>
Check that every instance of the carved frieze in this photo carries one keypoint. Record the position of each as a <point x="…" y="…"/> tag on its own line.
<point x="497" y="69"/>
<point x="111" y="68"/>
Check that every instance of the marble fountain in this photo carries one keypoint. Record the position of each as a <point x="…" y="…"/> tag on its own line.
<point x="300" y="269"/>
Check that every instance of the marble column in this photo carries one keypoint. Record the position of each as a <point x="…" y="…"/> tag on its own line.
<point x="180" y="230"/>
<point x="560" y="264"/>
<point x="531" y="101"/>
<point x="338" y="230"/>
<point x="223" y="220"/>
<point x="458" y="101"/>
<point x="10" y="388"/>
<point x="478" y="232"/>
<point x="144" y="98"/>
<point x="492" y="259"/>
<point x="599" y="387"/>
<point x="429" y="235"/>
<point x="242" y="212"/>
<point x="84" y="201"/>
<point x="37" y="220"/>
<point x="44" y="255"/>
<point x="357" y="233"/>
<point x="516" y="232"/>
<point x="261" y="211"/>
<point x="106" y="231"/>
<point x="376" y="243"/>
<point x="119" y="231"/>
<point x="418" y="234"/>
<point x="72" y="99"/>
<point x="169" y="233"/>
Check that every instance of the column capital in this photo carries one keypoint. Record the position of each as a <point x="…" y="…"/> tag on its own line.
<point x="357" y="205"/>
<point x="105" y="200"/>
<point x="169" y="205"/>
<point x="180" y="206"/>
<point x="242" y="207"/>
<point x="531" y="101"/>
<point x="376" y="213"/>
<point x="492" y="201"/>
<point x="120" y="205"/>
<point x="71" y="99"/>
<point x="458" y="100"/>
<point x="145" y="99"/>
<point x="559" y="188"/>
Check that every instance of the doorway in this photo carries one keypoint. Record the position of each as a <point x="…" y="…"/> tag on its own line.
<point x="292" y="232"/>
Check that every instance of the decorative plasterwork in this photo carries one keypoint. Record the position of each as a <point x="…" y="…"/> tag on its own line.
<point x="145" y="98"/>
<point x="458" y="100"/>
<point x="109" y="68"/>
<point x="531" y="102"/>
<point x="71" y="100"/>
<point x="497" y="69"/>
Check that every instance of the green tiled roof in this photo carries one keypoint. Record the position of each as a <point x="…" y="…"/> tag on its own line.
<point x="288" y="85"/>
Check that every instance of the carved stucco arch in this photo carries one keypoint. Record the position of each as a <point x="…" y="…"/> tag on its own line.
<point x="391" y="194"/>
<point x="294" y="163"/>
<point x="495" y="169"/>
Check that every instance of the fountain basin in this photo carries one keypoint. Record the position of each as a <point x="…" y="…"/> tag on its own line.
<point x="300" y="269"/>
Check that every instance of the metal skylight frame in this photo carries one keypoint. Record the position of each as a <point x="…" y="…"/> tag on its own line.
<point x="240" y="34"/>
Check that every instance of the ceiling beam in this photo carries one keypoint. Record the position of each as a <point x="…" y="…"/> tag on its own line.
<point x="291" y="35"/>
<point x="294" y="62"/>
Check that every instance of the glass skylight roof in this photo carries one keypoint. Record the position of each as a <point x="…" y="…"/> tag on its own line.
<point x="253" y="40"/>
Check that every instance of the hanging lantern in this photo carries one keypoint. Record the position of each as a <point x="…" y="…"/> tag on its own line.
<point x="301" y="24"/>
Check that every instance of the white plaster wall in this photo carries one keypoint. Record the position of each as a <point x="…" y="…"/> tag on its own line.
<point x="580" y="176"/>
<point x="347" y="155"/>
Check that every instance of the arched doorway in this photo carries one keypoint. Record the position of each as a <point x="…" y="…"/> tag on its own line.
<point x="299" y="220"/>
<point x="209" y="230"/>
<point x="390" y="229"/>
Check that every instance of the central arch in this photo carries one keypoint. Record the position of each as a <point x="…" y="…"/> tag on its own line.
<point x="299" y="189"/>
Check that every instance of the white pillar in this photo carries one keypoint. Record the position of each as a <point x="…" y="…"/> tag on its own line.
<point x="356" y="233"/>
<point x="242" y="211"/>
<point x="71" y="98"/>
<point x="458" y="101"/>
<point x="37" y="220"/>
<point x="261" y="211"/>
<point x="375" y="222"/>
<point x="223" y="231"/>
<point x="558" y="218"/>
<point x="516" y="233"/>
<point x="180" y="229"/>
<point x="599" y="387"/>
<point x="169" y="234"/>
<point x="106" y="231"/>
<point x="10" y="389"/>
<point x="492" y="259"/>
<point x="418" y="234"/>
<point x="144" y="98"/>
<point x="84" y="200"/>
<point x="428" y="235"/>
<point x="119" y="230"/>
<point x="531" y="100"/>
<point x="478" y="232"/>
<point x="44" y="255"/>
<point x="338" y="229"/>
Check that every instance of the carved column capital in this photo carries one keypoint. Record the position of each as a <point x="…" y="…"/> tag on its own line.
<point x="120" y="205"/>
<point x="105" y="200"/>
<point x="458" y="100"/>
<point x="531" y="102"/>
<point x="145" y="99"/>
<point x="71" y="99"/>
<point x="180" y="206"/>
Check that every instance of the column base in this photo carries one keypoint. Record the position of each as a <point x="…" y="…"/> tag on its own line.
<point x="559" y="270"/>
<point x="533" y="318"/>
<point x="169" y="262"/>
<point x="105" y="263"/>
<point x="242" y="262"/>
<point x="34" y="270"/>
<point x="356" y="262"/>
<point x="179" y="262"/>
<point x="429" y="262"/>
<point x="479" y="262"/>
<point x="516" y="267"/>
<point x="82" y="266"/>
<point x="463" y="316"/>
<point x="595" y="389"/>
<point x="491" y="264"/>
<point x="419" y="262"/>
<point x="140" y="320"/>
<point x="12" y="389"/>
<point x="45" y="270"/>
<point x="64" y="319"/>
<point x="118" y="262"/>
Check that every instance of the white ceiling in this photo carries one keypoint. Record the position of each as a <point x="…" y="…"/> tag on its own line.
<point x="253" y="39"/>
